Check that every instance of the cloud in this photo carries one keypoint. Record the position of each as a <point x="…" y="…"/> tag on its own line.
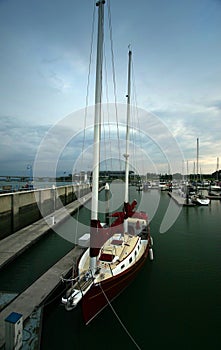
<point x="215" y="106"/>
<point x="199" y="119"/>
<point x="19" y="141"/>
<point x="69" y="143"/>
<point x="161" y="141"/>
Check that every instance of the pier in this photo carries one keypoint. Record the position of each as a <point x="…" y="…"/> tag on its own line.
<point x="15" y="244"/>
<point x="10" y="247"/>
<point x="34" y="296"/>
<point x="180" y="200"/>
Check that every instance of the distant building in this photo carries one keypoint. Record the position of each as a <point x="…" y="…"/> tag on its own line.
<point x="109" y="175"/>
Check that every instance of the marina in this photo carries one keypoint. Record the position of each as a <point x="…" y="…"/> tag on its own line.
<point x="109" y="221"/>
<point x="181" y="301"/>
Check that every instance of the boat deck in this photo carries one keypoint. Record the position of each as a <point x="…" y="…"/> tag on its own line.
<point x="120" y="247"/>
<point x="113" y="253"/>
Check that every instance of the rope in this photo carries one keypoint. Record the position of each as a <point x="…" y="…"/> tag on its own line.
<point x="114" y="82"/>
<point x="136" y="114"/>
<point x="103" y="121"/>
<point x="119" y="320"/>
<point x="86" y="106"/>
<point x="55" y="298"/>
<point x="108" y="116"/>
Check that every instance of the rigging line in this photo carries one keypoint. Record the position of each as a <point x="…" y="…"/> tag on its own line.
<point x="88" y="80"/>
<point x="55" y="298"/>
<point x="119" y="320"/>
<point x="104" y="132"/>
<point x="86" y="104"/>
<point x="114" y="81"/>
<point x="137" y="115"/>
<point x="108" y="111"/>
<point x="133" y="124"/>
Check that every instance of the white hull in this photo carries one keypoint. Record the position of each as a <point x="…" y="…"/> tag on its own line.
<point x="200" y="200"/>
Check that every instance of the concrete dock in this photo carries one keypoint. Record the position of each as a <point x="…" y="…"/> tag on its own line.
<point x="34" y="296"/>
<point x="180" y="200"/>
<point x="10" y="247"/>
<point x="15" y="244"/>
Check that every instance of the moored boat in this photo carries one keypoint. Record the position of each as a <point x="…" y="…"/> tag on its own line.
<point x="215" y="188"/>
<point x="163" y="186"/>
<point x="118" y="252"/>
<point x="200" y="199"/>
<point x="214" y="195"/>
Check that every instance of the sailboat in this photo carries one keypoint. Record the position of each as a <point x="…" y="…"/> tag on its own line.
<point x="118" y="252"/>
<point x="199" y="198"/>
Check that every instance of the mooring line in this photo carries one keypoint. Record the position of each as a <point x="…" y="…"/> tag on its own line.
<point x="119" y="320"/>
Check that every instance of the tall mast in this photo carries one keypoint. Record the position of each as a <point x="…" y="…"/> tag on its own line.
<point x="187" y="170"/>
<point x="97" y="112"/>
<point x="217" y="169"/>
<point x="126" y="155"/>
<point x="197" y="158"/>
<point x="97" y="131"/>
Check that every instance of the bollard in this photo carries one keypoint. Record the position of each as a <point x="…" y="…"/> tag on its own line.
<point x="13" y="331"/>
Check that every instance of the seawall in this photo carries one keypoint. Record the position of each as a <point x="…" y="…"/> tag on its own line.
<point x="20" y="209"/>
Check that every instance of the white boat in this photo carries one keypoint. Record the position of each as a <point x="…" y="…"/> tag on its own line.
<point x="200" y="199"/>
<point x="116" y="253"/>
<point x="215" y="188"/>
<point x="163" y="186"/>
<point x="140" y="187"/>
<point x="147" y="186"/>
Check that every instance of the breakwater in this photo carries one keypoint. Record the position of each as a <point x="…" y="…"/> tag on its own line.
<point x="20" y="209"/>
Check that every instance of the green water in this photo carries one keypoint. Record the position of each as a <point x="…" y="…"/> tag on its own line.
<point x="29" y="266"/>
<point x="175" y="302"/>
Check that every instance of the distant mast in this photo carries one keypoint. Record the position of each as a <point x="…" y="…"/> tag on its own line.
<point x="197" y="157"/>
<point x="197" y="161"/>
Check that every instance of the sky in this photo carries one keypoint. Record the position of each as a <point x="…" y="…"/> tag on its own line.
<point x="44" y="69"/>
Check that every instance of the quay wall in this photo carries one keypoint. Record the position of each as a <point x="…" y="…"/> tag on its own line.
<point x="20" y="209"/>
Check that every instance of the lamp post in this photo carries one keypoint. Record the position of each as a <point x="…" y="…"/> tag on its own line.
<point x="29" y="167"/>
<point x="54" y="204"/>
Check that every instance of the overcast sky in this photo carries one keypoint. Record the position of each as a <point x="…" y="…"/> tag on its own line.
<point x="44" y="64"/>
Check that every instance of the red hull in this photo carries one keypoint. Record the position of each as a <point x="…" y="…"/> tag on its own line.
<point x="95" y="301"/>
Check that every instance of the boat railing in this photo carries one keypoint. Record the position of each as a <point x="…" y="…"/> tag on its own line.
<point x="84" y="282"/>
<point x="69" y="279"/>
<point x="79" y="280"/>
